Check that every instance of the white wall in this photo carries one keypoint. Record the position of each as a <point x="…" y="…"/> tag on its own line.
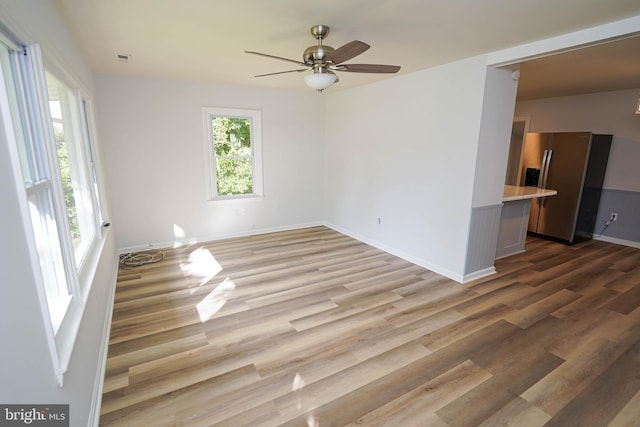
<point x="409" y="150"/>
<point x="606" y="112"/>
<point x="36" y="21"/>
<point x="495" y="135"/>
<point x="404" y="150"/>
<point x="155" y="159"/>
<point x="26" y="372"/>
<point x="491" y="164"/>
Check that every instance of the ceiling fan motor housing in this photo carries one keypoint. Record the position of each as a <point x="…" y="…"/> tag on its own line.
<point x="315" y="54"/>
<point x="318" y="54"/>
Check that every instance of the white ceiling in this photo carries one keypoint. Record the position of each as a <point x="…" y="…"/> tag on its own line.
<point x="205" y="40"/>
<point x="600" y="68"/>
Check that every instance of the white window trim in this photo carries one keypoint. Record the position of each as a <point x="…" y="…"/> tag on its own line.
<point x="85" y="130"/>
<point x="256" y="148"/>
<point x="60" y="343"/>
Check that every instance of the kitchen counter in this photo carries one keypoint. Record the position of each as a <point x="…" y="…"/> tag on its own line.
<point x="511" y="193"/>
<point x="514" y="218"/>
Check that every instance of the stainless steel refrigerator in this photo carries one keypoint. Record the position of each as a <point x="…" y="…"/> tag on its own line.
<point x="574" y="164"/>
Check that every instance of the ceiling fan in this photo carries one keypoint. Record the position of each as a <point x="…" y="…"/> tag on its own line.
<point x="324" y="60"/>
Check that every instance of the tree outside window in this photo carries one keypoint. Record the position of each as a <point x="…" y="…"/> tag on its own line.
<point x="234" y="160"/>
<point x="73" y="164"/>
<point x="234" y="147"/>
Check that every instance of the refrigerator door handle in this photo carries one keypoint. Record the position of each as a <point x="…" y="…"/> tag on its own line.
<point x="543" y="176"/>
<point x="546" y="174"/>
<point x="546" y="167"/>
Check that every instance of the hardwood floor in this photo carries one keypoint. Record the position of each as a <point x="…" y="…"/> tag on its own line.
<point x="313" y="328"/>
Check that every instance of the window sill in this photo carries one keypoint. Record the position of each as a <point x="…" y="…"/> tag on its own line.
<point x="65" y="337"/>
<point x="235" y="199"/>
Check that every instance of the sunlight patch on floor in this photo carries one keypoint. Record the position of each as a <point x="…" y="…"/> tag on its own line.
<point x="215" y="300"/>
<point x="201" y="265"/>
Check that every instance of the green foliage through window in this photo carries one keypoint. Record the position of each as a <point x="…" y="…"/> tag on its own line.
<point x="67" y="186"/>
<point x="233" y="155"/>
<point x="66" y="177"/>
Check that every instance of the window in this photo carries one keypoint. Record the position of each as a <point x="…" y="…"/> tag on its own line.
<point x="39" y="192"/>
<point x="234" y="153"/>
<point x="72" y="163"/>
<point x="47" y="120"/>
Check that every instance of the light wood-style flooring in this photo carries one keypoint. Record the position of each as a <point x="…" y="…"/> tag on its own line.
<point x="313" y="328"/>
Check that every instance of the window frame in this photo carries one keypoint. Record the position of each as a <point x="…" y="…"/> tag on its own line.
<point x="33" y="151"/>
<point x="78" y="149"/>
<point x="255" y="118"/>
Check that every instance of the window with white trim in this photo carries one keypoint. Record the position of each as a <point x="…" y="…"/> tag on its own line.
<point x="47" y="117"/>
<point x="38" y="187"/>
<point x="72" y="160"/>
<point x="233" y="139"/>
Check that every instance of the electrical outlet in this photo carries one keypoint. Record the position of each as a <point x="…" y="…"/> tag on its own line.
<point x="614" y="216"/>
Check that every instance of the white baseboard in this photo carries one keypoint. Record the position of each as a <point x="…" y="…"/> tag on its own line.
<point x="511" y="254"/>
<point x="222" y="236"/>
<point x="393" y="251"/>
<point x="623" y="242"/>
<point x="400" y="254"/>
<point x="479" y="274"/>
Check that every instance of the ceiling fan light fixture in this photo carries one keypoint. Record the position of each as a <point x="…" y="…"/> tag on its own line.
<point x="324" y="60"/>
<point x="320" y="81"/>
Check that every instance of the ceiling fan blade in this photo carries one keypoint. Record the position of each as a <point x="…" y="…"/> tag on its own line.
<point x="348" y="51"/>
<point x="276" y="57"/>
<point x="368" y="68"/>
<point x="281" y="72"/>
